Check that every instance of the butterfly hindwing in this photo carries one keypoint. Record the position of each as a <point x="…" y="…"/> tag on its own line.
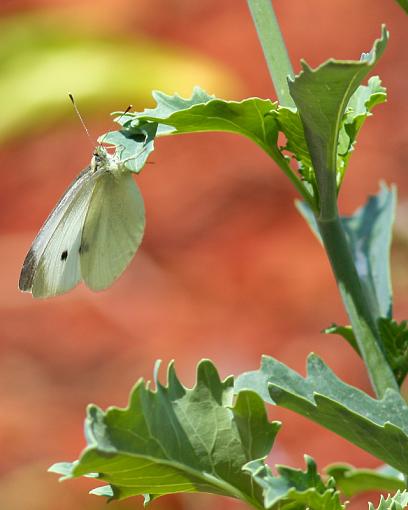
<point x="52" y="265"/>
<point x="113" y="229"/>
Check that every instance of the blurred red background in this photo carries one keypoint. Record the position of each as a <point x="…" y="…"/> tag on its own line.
<point x="228" y="270"/>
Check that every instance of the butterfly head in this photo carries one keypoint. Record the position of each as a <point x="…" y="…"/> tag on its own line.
<point x="99" y="158"/>
<point x="102" y="161"/>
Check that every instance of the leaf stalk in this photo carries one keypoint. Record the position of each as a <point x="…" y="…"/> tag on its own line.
<point x="274" y="48"/>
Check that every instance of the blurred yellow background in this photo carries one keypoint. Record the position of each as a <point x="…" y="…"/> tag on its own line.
<point x="227" y="270"/>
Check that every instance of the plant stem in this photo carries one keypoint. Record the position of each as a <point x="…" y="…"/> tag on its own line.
<point x="280" y="69"/>
<point x="274" y="48"/>
<point x="362" y="320"/>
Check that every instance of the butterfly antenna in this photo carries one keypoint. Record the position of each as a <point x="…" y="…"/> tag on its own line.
<point x="125" y="112"/>
<point x="122" y="115"/>
<point x="80" y="118"/>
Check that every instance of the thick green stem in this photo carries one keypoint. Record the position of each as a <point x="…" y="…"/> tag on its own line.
<point x="363" y="322"/>
<point x="362" y="319"/>
<point x="274" y="48"/>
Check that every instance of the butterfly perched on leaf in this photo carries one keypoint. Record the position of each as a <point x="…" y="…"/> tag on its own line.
<point x="97" y="225"/>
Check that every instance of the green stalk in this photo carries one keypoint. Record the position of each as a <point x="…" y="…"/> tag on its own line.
<point x="274" y="48"/>
<point x="356" y="303"/>
<point x="280" y="69"/>
<point x="362" y="318"/>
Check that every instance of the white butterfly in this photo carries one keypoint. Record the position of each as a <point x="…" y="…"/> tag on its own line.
<point x="91" y="234"/>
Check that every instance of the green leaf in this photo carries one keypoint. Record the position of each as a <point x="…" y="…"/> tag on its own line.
<point x="397" y="502"/>
<point x="177" y="440"/>
<point x="352" y="481"/>
<point x="346" y="332"/>
<point x="134" y="144"/>
<point x="293" y="488"/>
<point x="201" y="112"/>
<point x="369" y="232"/>
<point x="394" y="338"/>
<point x="358" y="109"/>
<point x="404" y="4"/>
<point x="321" y="96"/>
<point x="166" y="106"/>
<point x="395" y="341"/>
<point x="378" y="426"/>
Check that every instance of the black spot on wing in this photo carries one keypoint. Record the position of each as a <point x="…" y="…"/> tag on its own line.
<point x="40" y="243"/>
<point x="64" y="255"/>
<point x="25" y="282"/>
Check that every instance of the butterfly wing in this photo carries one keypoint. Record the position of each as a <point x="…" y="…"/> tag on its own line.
<point x="52" y="267"/>
<point x="113" y="229"/>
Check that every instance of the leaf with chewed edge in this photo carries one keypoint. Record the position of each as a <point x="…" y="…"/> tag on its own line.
<point x="294" y="488"/>
<point x="176" y="439"/>
<point x="397" y="502"/>
<point x="133" y="144"/>
<point x="201" y="112"/>
<point x="330" y="118"/>
<point x="378" y="426"/>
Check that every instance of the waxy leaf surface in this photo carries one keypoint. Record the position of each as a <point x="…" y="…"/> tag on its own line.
<point x="398" y="501"/>
<point x="176" y="439"/>
<point x="352" y="481"/>
<point x="294" y="488"/>
<point x="202" y="112"/>
<point x="321" y="96"/>
<point x="369" y="232"/>
<point x="134" y="144"/>
<point x="378" y="426"/>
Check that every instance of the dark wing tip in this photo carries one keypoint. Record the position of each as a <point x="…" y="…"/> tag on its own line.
<point x="25" y="282"/>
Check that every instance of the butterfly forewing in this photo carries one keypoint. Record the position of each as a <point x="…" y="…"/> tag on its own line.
<point x="113" y="229"/>
<point x="40" y="242"/>
<point x="52" y="266"/>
